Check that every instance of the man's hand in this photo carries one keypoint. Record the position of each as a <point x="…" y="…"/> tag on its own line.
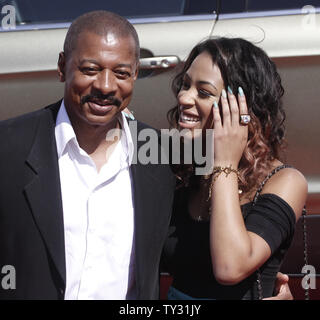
<point x="282" y="288"/>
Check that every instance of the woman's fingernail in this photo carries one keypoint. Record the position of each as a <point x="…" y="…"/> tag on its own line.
<point x="223" y="93"/>
<point x="240" y="91"/>
<point x="230" y="91"/>
<point x="129" y="115"/>
<point x="215" y="104"/>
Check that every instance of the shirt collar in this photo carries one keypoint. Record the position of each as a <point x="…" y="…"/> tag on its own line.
<point x="126" y="138"/>
<point x="64" y="133"/>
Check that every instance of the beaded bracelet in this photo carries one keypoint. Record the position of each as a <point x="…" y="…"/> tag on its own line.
<point x="216" y="173"/>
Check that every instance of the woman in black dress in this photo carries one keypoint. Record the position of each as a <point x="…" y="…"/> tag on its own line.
<point x="240" y="218"/>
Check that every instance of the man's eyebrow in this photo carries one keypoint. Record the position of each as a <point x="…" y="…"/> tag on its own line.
<point x="88" y="60"/>
<point x="124" y="65"/>
<point x="120" y="65"/>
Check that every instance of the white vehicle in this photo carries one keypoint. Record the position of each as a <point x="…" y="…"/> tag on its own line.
<point x="32" y="34"/>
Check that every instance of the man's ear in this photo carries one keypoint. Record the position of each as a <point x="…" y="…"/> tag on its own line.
<point x="62" y="66"/>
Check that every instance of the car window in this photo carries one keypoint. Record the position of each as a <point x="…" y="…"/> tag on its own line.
<point x="254" y="5"/>
<point x="238" y="6"/>
<point x="61" y="11"/>
<point x="46" y="11"/>
<point x="232" y="6"/>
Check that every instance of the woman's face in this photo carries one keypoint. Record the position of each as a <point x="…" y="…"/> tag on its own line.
<point x="202" y="85"/>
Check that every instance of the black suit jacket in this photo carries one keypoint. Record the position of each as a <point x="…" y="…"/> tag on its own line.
<point x="31" y="216"/>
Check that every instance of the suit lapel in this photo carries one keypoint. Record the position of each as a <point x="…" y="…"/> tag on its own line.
<point x="143" y="212"/>
<point x="43" y="192"/>
<point x="146" y="185"/>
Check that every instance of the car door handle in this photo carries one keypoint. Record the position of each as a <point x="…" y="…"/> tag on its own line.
<point x="161" y="62"/>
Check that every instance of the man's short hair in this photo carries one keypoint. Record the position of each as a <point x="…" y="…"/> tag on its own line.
<point x="100" y="22"/>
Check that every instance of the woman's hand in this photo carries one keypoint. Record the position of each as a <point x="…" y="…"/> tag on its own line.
<point x="282" y="288"/>
<point x="128" y="113"/>
<point x="230" y="137"/>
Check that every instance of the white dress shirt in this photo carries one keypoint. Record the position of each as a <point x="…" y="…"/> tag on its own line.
<point x="98" y="217"/>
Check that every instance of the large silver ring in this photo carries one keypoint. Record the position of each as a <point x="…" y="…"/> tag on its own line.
<point x="245" y="119"/>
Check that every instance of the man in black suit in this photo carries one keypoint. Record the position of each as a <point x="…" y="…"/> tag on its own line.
<point x="78" y="218"/>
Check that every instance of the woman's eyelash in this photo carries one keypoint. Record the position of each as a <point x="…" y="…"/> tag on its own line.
<point x="185" y="85"/>
<point x="205" y="93"/>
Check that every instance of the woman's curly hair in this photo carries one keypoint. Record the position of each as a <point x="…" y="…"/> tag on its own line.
<point x="245" y="65"/>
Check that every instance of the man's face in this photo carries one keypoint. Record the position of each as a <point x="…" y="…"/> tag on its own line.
<point x="99" y="76"/>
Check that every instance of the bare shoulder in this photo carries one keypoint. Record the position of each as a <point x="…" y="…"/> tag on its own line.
<point x="290" y="185"/>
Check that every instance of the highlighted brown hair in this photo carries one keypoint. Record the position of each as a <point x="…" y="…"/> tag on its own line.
<point x="245" y="65"/>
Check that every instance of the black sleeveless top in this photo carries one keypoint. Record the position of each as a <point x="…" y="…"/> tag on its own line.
<point x="187" y="251"/>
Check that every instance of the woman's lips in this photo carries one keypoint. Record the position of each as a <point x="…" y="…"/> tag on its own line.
<point x="188" y="120"/>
